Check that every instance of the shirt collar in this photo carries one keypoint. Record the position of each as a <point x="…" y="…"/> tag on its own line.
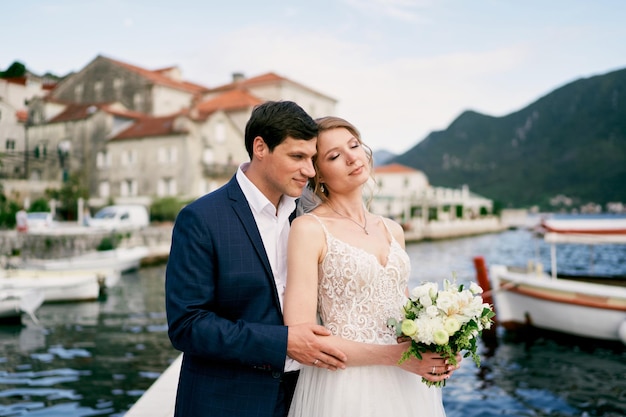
<point x="257" y="200"/>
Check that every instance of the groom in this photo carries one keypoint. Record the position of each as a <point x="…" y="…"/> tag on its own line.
<point x="226" y="275"/>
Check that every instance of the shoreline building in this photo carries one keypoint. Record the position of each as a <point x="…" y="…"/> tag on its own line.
<point x="427" y="212"/>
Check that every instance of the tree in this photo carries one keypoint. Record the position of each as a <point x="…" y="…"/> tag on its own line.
<point x="8" y="208"/>
<point x="68" y="196"/>
<point x="16" y="69"/>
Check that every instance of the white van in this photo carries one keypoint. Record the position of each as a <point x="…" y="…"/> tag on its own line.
<point x="120" y="217"/>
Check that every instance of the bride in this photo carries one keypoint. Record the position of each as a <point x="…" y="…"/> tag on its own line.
<point x="348" y="267"/>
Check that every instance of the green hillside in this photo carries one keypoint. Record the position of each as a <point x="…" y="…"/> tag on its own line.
<point x="570" y="142"/>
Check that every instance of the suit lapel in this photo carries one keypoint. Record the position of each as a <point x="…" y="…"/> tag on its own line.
<point x="243" y="211"/>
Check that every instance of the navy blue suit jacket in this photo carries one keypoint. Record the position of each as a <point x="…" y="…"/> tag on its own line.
<point x="223" y="310"/>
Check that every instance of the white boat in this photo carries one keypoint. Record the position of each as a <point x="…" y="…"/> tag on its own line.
<point x="60" y="286"/>
<point x="121" y="259"/>
<point x="15" y="303"/>
<point x="589" y="307"/>
<point x="593" y="226"/>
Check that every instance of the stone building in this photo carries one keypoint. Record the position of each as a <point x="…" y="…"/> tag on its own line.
<point x="15" y="95"/>
<point x="134" y="135"/>
<point x="104" y="80"/>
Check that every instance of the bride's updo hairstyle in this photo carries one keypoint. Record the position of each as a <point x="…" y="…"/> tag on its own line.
<point x="329" y="123"/>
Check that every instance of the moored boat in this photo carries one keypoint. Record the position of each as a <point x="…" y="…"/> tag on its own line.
<point x="585" y="306"/>
<point x="16" y="302"/>
<point x="592" y="226"/>
<point x="60" y="286"/>
<point x="121" y="259"/>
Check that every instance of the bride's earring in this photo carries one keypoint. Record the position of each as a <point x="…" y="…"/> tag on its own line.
<point x="322" y="188"/>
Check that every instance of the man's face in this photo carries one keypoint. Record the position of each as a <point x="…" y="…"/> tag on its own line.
<point x="287" y="169"/>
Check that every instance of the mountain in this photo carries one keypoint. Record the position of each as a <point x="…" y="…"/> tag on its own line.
<point x="571" y="142"/>
<point x="382" y="157"/>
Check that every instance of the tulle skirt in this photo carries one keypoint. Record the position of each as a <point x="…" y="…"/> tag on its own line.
<point x="365" y="391"/>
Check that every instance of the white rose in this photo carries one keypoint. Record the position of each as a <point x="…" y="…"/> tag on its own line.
<point x="475" y="288"/>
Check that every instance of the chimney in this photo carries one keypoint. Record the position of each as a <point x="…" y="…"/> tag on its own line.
<point x="238" y="76"/>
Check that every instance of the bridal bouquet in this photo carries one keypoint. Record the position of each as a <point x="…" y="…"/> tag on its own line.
<point x="443" y="321"/>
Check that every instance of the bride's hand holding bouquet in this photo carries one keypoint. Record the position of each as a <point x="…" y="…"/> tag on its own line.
<point x="446" y="322"/>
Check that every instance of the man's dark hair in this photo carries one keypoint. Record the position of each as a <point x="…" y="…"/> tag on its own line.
<point x="275" y="120"/>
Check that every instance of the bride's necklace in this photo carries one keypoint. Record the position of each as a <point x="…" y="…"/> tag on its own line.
<point x="364" y="227"/>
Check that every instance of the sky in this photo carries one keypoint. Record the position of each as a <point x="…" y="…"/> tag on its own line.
<point x="399" y="69"/>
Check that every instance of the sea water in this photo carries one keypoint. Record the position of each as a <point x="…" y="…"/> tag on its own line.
<point x="97" y="358"/>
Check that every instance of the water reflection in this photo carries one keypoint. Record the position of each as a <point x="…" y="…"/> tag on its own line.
<point x="91" y="358"/>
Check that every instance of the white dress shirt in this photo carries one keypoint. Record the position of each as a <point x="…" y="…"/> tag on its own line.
<point x="273" y="225"/>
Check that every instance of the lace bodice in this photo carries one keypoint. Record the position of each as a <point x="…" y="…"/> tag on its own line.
<point x="356" y="294"/>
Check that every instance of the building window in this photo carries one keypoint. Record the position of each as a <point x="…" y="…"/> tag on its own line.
<point x="118" y="83"/>
<point x="220" y="132"/>
<point x="104" y="189"/>
<point x="40" y="151"/>
<point x="129" y="157"/>
<point x="128" y="188"/>
<point x="173" y="154"/>
<point x="167" y="154"/>
<point x="35" y="175"/>
<point x="166" y="187"/>
<point x="208" y="157"/>
<point x="78" y="93"/>
<point x="10" y="145"/>
<point x="103" y="159"/>
<point x="97" y="90"/>
<point x="138" y="102"/>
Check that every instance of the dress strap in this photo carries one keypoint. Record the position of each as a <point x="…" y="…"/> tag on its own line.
<point x="393" y="239"/>
<point x="326" y="232"/>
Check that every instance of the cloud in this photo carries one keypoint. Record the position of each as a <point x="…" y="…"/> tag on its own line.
<point x="406" y="10"/>
<point x="395" y="102"/>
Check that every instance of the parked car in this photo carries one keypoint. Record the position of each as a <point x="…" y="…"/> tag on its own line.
<point x="120" y="217"/>
<point x="39" y="220"/>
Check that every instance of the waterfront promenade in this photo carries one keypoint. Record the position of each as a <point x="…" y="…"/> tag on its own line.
<point x="69" y="239"/>
<point x="159" y="399"/>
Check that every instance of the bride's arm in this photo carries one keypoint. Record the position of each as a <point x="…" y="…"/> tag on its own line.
<point x="307" y="246"/>
<point x="304" y="252"/>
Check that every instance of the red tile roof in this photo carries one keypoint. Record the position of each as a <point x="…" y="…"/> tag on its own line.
<point x="236" y="99"/>
<point x="45" y="84"/>
<point x="22" y="116"/>
<point x="158" y="77"/>
<point x="150" y="126"/>
<point x="267" y="78"/>
<point x="130" y="114"/>
<point x="16" y="80"/>
<point x="75" y="111"/>
<point x="394" y="169"/>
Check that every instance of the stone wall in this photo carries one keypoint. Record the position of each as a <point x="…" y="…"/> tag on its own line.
<point x="63" y="242"/>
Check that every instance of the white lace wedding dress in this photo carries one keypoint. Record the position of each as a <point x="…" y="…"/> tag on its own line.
<point x="356" y="296"/>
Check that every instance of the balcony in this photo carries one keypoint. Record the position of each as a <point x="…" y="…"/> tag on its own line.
<point x="216" y="170"/>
